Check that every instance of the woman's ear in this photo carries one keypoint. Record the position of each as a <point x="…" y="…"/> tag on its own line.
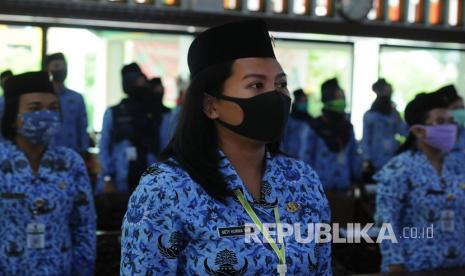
<point x="419" y="131"/>
<point x="209" y="106"/>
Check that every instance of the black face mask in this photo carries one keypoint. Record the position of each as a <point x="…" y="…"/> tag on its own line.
<point x="59" y="75"/>
<point x="265" y="116"/>
<point x="140" y="93"/>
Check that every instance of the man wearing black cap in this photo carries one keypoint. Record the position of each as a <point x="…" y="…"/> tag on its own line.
<point x="73" y="133"/>
<point x="457" y="109"/>
<point x="130" y="137"/>
<point x="222" y="174"/>
<point x="332" y="141"/>
<point x="422" y="190"/>
<point x="381" y="124"/>
<point x="46" y="202"/>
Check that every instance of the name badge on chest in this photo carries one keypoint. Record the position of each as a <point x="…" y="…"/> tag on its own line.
<point x="35" y="235"/>
<point x="235" y="231"/>
<point x="448" y="221"/>
<point x="131" y="154"/>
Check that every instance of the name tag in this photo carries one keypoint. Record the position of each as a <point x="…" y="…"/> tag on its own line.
<point x="35" y="235"/>
<point x="12" y="195"/>
<point x="235" y="231"/>
<point x="448" y="220"/>
<point x="131" y="154"/>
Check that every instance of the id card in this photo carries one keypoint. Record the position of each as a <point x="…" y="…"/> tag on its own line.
<point x="341" y="158"/>
<point x="35" y="235"/>
<point x="131" y="154"/>
<point x="447" y="221"/>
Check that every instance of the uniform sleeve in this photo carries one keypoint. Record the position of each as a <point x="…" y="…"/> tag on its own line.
<point x="402" y="127"/>
<point x="107" y="165"/>
<point x="325" y="259"/>
<point x="309" y="146"/>
<point x="82" y="131"/>
<point x="355" y="158"/>
<point x="367" y="141"/>
<point x="165" y="129"/>
<point x="152" y="235"/>
<point x="82" y="222"/>
<point x="391" y="192"/>
<point x="325" y="267"/>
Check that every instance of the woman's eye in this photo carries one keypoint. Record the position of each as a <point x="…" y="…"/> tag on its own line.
<point x="282" y="85"/>
<point x="257" y="85"/>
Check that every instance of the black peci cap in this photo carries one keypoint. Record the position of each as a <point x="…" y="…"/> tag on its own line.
<point x="30" y="82"/>
<point x="228" y="42"/>
<point x="417" y="109"/>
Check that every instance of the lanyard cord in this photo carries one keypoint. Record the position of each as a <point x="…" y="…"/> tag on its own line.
<point x="280" y="252"/>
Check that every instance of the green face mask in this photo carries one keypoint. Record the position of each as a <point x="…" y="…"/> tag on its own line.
<point x="459" y="116"/>
<point x="338" y="105"/>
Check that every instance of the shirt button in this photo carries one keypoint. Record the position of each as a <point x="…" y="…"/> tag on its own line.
<point x="62" y="185"/>
<point x="40" y="203"/>
<point x="450" y="197"/>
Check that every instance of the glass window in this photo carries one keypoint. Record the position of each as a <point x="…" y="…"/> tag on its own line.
<point x="20" y="48"/>
<point x="309" y="64"/>
<point x="95" y="59"/>
<point x="414" y="70"/>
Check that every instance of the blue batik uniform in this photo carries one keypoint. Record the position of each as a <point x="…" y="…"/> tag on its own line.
<point x="379" y="142"/>
<point x="172" y="225"/>
<point x="2" y="108"/>
<point x="411" y="194"/>
<point x="59" y="196"/>
<point x="168" y="126"/>
<point x="114" y="156"/>
<point x="337" y="170"/>
<point x="295" y="137"/>
<point x="460" y="144"/>
<point x="73" y="131"/>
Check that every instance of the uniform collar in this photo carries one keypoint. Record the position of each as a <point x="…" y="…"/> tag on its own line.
<point x="268" y="191"/>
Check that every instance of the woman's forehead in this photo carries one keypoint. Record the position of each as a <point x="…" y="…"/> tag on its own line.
<point x="266" y="66"/>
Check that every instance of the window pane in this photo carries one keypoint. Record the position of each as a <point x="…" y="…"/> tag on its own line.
<point x="414" y="70"/>
<point x="309" y="64"/>
<point x="95" y="59"/>
<point x="20" y="48"/>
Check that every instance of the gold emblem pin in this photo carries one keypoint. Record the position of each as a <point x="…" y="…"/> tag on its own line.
<point x="62" y="186"/>
<point x="292" y="207"/>
<point x="450" y="197"/>
<point x="462" y="186"/>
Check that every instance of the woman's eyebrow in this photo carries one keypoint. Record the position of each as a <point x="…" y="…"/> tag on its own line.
<point x="280" y="75"/>
<point x="259" y="76"/>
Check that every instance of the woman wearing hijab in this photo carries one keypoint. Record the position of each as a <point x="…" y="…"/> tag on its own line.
<point x="46" y="204"/>
<point x="422" y="190"/>
<point x="331" y="147"/>
<point x="381" y="124"/>
<point x="222" y="171"/>
<point x="298" y="126"/>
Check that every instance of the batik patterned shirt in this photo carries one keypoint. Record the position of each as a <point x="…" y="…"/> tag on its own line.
<point x="172" y="226"/>
<point x="58" y="197"/>
<point x="412" y="194"/>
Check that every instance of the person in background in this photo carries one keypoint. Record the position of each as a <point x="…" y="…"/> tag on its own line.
<point x="331" y="147"/>
<point x="47" y="213"/>
<point x="423" y="188"/>
<point x="130" y="139"/>
<point x="3" y="77"/>
<point x="223" y="170"/>
<point x="73" y="131"/>
<point x="170" y="123"/>
<point x="457" y="109"/>
<point x="298" y="126"/>
<point x="381" y="124"/>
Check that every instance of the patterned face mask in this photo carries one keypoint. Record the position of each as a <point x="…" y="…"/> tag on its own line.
<point x="39" y="126"/>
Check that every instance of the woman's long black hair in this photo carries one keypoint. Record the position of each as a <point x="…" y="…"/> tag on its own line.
<point x="195" y="143"/>
<point x="411" y="141"/>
